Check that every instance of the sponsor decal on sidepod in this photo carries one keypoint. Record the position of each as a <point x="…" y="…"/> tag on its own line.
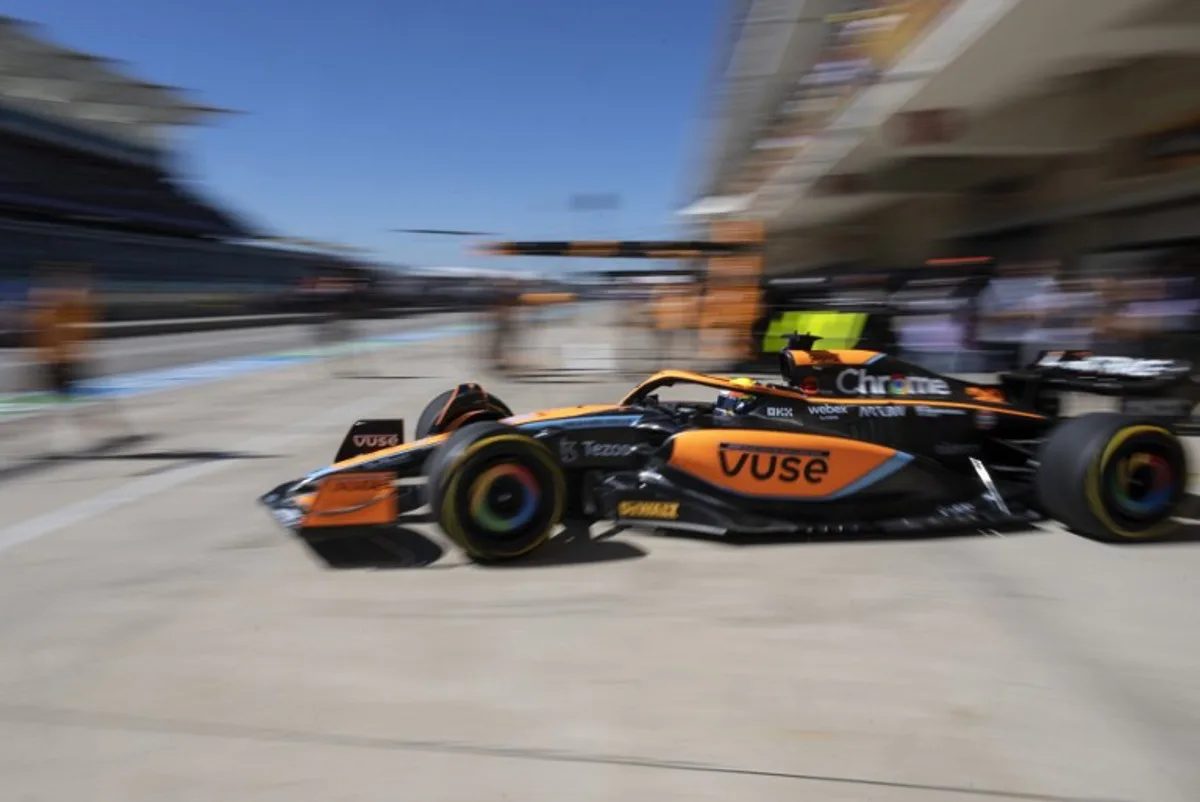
<point x="857" y="381"/>
<point x="662" y="510"/>
<point x="765" y="462"/>
<point x="828" y="411"/>
<point x="569" y="450"/>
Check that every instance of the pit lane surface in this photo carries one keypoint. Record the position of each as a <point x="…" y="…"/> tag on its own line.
<point x="160" y="639"/>
<point x="134" y="354"/>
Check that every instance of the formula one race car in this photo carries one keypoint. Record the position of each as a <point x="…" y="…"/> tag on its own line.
<point x="853" y="442"/>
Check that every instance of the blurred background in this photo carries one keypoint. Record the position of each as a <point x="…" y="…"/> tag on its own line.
<point x="978" y="179"/>
<point x="230" y="229"/>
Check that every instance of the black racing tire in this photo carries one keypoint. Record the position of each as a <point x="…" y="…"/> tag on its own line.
<point x="1112" y="477"/>
<point x="495" y="491"/>
<point x="487" y="407"/>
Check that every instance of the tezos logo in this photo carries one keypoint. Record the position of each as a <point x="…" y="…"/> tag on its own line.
<point x="857" y="381"/>
<point x="763" y="463"/>
<point x="607" y="450"/>
<point x="570" y="450"/>
<point x="376" y="440"/>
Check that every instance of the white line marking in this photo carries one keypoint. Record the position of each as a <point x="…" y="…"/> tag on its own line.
<point x="33" y="528"/>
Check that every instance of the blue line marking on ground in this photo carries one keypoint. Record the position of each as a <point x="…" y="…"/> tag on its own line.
<point x="150" y="381"/>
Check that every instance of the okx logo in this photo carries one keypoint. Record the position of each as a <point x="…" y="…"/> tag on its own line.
<point x="769" y="463"/>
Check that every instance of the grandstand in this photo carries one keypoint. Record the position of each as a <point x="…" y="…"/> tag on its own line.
<point x="86" y="177"/>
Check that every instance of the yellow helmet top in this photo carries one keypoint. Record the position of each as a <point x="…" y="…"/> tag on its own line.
<point x="729" y="401"/>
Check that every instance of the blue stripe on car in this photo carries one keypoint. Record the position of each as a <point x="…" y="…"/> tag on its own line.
<point x="597" y="421"/>
<point x="897" y="461"/>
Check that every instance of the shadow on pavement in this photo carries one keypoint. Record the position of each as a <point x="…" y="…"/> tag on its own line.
<point x="399" y="547"/>
<point x="112" y="451"/>
<point x="575" y="545"/>
<point x="402" y="547"/>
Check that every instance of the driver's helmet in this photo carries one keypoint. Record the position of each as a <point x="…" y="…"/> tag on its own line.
<point x="734" y="402"/>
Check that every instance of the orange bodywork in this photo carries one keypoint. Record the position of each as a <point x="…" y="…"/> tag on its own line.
<point x="354" y="499"/>
<point x="781" y="465"/>
<point x="834" y="357"/>
<point x="560" y="413"/>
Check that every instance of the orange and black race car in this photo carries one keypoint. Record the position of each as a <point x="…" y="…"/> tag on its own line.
<point x="853" y="442"/>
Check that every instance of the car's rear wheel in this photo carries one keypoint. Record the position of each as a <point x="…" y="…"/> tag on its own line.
<point x="466" y="403"/>
<point x="1112" y="477"/>
<point x="495" y="491"/>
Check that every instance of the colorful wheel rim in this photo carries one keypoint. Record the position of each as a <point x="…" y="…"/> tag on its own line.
<point x="1142" y="484"/>
<point x="504" y="498"/>
<point x="1137" y="481"/>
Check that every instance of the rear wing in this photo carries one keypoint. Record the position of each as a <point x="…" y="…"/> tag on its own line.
<point x="1087" y="372"/>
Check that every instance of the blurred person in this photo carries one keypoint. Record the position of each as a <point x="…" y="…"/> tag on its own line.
<point x="354" y="305"/>
<point x="1147" y="317"/>
<point x="12" y="310"/>
<point x="61" y="315"/>
<point x="674" y="310"/>
<point x="336" y="305"/>
<point x="1061" y="318"/>
<point x="1005" y="314"/>
<point x="1118" y="331"/>
<point x="966" y="312"/>
<point x="504" y="313"/>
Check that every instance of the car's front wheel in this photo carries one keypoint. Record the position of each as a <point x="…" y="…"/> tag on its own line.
<point x="495" y="491"/>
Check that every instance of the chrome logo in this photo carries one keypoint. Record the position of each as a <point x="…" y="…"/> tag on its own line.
<point x="857" y="381"/>
<point x="504" y="498"/>
<point x="1142" y="483"/>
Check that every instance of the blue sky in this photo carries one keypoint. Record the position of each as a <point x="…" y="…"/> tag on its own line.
<point x="365" y="115"/>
